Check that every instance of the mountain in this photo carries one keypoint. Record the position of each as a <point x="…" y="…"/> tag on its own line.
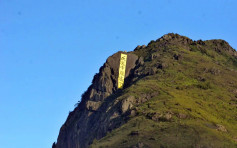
<point x="177" y="93"/>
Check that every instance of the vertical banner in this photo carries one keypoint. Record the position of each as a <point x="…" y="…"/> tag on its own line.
<point x="122" y="68"/>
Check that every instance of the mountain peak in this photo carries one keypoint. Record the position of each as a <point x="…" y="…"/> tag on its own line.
<point x="177" y="93"/>
<point x="171" y="36"/>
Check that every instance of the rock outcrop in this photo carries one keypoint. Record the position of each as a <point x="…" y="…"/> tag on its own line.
<point x="92" y="118"/>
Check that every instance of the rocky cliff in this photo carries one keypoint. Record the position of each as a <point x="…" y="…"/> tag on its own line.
<point x="177" y="92"/>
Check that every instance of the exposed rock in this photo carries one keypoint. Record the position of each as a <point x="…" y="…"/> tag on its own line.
<point x="155" y="55"/>
<point x="182" y="116"/>
<point x="200" y="42"/>
<point x="140" y="145"/>
<point x="172" y="38"/>
<point x="214" y="71"/>
<point x="158" y="117"/>
<point x="145" y="97"/>
<point x="162" y="65"/>
<point x="140" y="47"/>
<point x="221" y="128"/>
<point x="127" y="103"/>
<point x="167" y="117"/>
<point x="235" y="139"/>
<point x="93" y="105"/>
<point x="167" y="36"/>
<point x="141" y="61"/>
<point x="133" y="113"/>
<point x="115" y="115"/>
<point x="137" y="48"/>
<point x="150" y="70"/>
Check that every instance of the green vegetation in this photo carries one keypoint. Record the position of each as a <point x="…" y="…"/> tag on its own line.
<point x="196" y="103"/>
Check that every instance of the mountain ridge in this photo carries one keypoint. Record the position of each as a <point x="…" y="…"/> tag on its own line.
<point x="104" y="109"/>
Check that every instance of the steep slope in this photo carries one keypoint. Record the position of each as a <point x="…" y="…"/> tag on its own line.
<point x="178" y="93"/>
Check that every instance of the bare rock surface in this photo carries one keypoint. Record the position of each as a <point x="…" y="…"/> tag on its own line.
<point x="92" y="118"/>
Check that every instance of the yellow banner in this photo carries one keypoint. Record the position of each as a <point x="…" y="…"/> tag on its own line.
<point x="122" y="68"/>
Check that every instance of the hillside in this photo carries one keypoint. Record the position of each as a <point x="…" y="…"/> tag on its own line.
<point x="177" y="93"/>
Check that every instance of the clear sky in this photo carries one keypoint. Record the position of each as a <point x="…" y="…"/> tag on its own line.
<point x="50" y="50"/>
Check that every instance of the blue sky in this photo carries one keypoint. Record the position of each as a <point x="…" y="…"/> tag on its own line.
<point x="50" y="50"/>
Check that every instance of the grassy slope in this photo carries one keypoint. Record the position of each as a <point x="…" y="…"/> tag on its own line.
<point x="201" y="86"/>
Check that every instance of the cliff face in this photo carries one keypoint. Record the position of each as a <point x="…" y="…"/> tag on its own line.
<point x="173" y="86"/>
<point x="90" y="119"/>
